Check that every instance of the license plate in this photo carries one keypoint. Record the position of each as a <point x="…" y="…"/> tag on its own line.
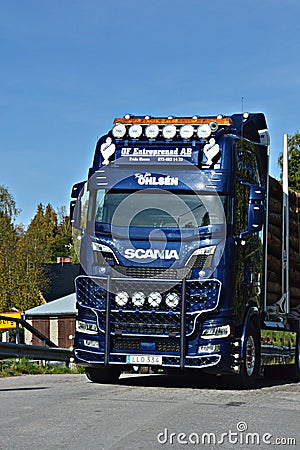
<point x="151" y="360"/>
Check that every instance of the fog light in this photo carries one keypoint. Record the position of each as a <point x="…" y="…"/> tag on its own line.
<point x="187" y="131"/>
<point x="172" y="300"/>
<point x="121" y="298"/>
<point x="209" y="348"/>
<point x="169" y="131"/>
<point x="154" y="299"/>
<point x="90" y="343"/>
<point x="119" y="131"/>
<point x="135" y="131"/>
<point x="152" y="131"/>
<point x="138" y="299"/>
<point x="204" y="131"/>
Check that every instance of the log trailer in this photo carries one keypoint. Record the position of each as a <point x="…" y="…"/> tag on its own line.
<point x="184" y="242"/>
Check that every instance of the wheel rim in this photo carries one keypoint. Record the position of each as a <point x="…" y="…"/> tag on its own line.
<point x="250" y="355"/>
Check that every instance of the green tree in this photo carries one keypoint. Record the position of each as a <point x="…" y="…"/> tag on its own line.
<point x="22" y="275"/>
<point x="7" y="203"/>
<point x="8" y="244"/>
<point x="41" y="234"/>
<point x="63" y="239"/>
<point x="31" y="279"/>
<point x="293" y="161"/>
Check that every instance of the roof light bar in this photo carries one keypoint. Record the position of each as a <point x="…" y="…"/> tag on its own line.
<point x="220" y="120"/>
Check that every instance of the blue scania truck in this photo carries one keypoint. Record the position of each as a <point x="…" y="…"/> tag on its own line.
<point x="172" y="232"/>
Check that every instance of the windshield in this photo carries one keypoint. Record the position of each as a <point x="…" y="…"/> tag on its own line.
<point x="158" y="208"/>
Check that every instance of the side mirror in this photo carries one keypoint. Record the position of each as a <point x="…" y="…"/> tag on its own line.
<point x="76" y="205"/>
<point x="256" y="210"/>
<point x="75" y="208"/>
<point x="257" y="193"/>
<point x="255" y="217"/>
<point x="76" y="189"/>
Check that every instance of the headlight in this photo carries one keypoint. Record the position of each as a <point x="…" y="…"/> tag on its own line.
<point x="152" y="131"/>
<point x="154" y="299"/>
<point x="138" y="299"/>
<point x="216" y="332"/>
<point x="172" y="300"/>
<point x="107" y="253"/>
<point x="169" y="131"/>
<point x="119" y="131"/>
<point x="186" y="132"/>
<point x="135" y="131"/>
<point x="210" y="250"/>
<point x="86" y="327"/>
<point x="101" y="248"/>
<point x="121" y="298"/>
<point x="204" y="131"/>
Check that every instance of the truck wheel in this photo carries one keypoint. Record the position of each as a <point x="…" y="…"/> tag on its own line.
<point x="251" y="358"/>
<point x="104" y="375"/>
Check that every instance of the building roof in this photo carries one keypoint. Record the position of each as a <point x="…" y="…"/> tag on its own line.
<point x="64" y="306"/>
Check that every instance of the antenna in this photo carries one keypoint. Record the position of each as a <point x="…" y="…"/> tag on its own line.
<point x="242" y="104"/>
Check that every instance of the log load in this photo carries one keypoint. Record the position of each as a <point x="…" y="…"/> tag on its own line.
<point x="274" y="244"/>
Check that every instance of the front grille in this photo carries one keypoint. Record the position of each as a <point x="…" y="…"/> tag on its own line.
<point x="170" y="345"/>
<point x="152" y="272"/>
<point x="143" y="323"/>
<point x="126" y="344"/>
<point x="163" y="346"/>
<point x="196" y="262"/>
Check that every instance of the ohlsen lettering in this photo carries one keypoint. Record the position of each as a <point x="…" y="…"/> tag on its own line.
<point x="148" y="180"/>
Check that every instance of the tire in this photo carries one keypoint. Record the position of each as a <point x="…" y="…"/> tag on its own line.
<point x="104" y="375"/>
<point x="251" y="358"/>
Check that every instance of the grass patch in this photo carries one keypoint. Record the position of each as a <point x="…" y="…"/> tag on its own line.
<point x="23" y="366"/>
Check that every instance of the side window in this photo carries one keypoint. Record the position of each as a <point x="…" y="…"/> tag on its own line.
<point x="84" y="206"/>
<point x="100" y="205"/>
<point x="246" y="162"/>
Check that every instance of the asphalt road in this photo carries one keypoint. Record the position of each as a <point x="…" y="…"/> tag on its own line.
<point x="145" y="412"/>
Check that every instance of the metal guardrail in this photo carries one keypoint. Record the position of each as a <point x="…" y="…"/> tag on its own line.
<point x="48" y="351"/>
<point x="11" y="350"/>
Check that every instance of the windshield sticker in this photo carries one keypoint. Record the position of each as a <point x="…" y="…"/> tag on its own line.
<point x="156" y="155"/>
<point x="148" y="180"/>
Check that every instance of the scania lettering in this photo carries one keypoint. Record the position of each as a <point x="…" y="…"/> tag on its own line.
<point x="189" y="251"/>
<point x="140" y="253"/>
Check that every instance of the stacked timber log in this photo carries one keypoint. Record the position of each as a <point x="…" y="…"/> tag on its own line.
<point x="274" y="290"/>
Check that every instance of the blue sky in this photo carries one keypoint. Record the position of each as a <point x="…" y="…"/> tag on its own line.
<point x="69" y="67"/>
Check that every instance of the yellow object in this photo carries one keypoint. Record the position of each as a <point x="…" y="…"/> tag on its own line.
<point x="9" y="324"/>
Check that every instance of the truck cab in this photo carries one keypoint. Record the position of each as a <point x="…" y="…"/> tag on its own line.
<point x="170" y="229"/>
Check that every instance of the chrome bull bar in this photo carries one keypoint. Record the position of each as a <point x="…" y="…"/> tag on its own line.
<point x="160" y="322"/>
